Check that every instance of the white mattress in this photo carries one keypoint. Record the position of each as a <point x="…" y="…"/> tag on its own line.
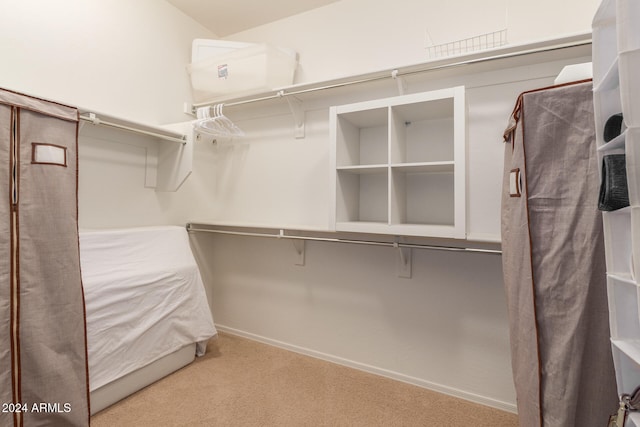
<point x="144" y="298"/>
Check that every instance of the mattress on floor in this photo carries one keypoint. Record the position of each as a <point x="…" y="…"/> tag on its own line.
<point x="144" y="298"/>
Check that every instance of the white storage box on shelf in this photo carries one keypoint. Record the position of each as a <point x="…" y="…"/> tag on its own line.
<point x="242" y="72"/>
<point x="202" y="49"/>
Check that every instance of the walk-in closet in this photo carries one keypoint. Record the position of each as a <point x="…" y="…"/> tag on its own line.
<point x="319" y="213"/>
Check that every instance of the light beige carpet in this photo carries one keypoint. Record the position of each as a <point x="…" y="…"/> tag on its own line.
<point x="245" y="383"/>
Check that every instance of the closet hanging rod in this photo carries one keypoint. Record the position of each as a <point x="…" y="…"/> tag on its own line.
<point x="91" y="118"/>
<point x="282" y="235"/>
<point x="395" y="73"/>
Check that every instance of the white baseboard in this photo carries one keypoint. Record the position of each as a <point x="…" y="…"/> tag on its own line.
<point x="472" y="397"/>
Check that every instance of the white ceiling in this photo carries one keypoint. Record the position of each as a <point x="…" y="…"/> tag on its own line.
<point x="225" y="17"/>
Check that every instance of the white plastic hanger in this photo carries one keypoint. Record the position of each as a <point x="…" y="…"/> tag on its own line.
<point x="211" y="121"/>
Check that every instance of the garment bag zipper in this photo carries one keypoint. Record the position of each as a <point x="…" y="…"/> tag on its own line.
<point x="15" y="306"/>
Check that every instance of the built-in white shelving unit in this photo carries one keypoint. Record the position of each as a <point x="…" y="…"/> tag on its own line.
<point x="121" y="123"/>
<point x="436" y="221"/>
<point x="398" y="165"/>
<point x="616" y="67"/>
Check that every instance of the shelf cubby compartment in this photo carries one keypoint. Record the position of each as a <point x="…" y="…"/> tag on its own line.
<point x="617" y="235"/>
<point x="626" y="359"/>
<point x="632" y="151"/>
<point x="362" y="137"/>
<point x="635" y="242"/>
<point x="629" y="64"/>
<point x="422" y="131"/>
<point x="606" y="104"/>
<point x="422" y="199"/>
<point x="623" y="296"/>
<point x="628" y="16"/>
<point x="362" y="198"/>
<point x="611" y="78"/>
<point x="604" y="31"/>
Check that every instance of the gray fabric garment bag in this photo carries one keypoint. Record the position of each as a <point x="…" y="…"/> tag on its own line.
<point x="554" y="261"/>
<point x="43" y="353"/>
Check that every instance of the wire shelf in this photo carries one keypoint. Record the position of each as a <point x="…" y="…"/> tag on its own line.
<point x="479" y="42"/>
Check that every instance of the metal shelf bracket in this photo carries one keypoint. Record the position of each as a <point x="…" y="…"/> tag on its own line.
<point x="402" y="84"/>
<point x="295" y="105"/>
<point x="298" y="244"/>
<point x="403" y="263"/>
<point x="300" y="247"/>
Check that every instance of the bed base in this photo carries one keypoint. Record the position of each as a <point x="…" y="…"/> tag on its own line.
<point x="116" y="390"/>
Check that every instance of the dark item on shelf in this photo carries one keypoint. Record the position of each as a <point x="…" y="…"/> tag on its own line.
<point x="614" y="193"/>
<point x="613" y="127"/>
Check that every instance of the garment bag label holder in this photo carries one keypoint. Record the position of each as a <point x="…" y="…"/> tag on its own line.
<point x="515" y="183"/>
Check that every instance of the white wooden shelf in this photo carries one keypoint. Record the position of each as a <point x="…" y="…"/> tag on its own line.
<point x="425" y="167"/>
<point x="169" y="148"/>
<point x="314" y="234"/>
<point x="398" y="165"/>
<point x="375" y="227"/>
<point x="363" y="169"/>
<point x="90" y="116"/>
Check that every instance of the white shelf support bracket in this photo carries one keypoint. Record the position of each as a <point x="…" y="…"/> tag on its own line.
<point x="295" y="105"/>
<point x="402" y="85"/>
<point x="300" y="247"/>
<point x="403" y="264"/>
<point x="94" y="119"/>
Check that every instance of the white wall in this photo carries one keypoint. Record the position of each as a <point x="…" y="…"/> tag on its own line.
<point x="530" y="20"/>
<point x="443" y="329"/>
<point x="358" y="36"/>
<point x="116" y="56"/>
<point x="113" y="56"/>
